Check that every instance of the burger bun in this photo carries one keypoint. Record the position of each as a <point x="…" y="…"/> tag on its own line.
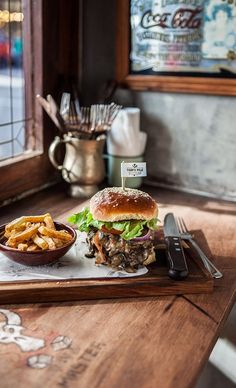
<point x="118" y="204"/>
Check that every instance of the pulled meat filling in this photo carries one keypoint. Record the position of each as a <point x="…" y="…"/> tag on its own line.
<point x="116" y="252"/>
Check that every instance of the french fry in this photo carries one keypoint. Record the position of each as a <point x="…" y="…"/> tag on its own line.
<point x="14" y="224"/>
<point x="22" y="247"/>
<point x="60" y="234"/>
<point x="19" y="228"/>
<point x="40" y="242"/>
<point x="58" y="242"/>
<point x="11" y="243"/>
<point x="32" y="247"/>
<point x="9" y="234"/>
<point x="18" y="221"/>
<point x="49" y="222"/>
<point x="50" y="242"/>
<point x="25" y="235"/>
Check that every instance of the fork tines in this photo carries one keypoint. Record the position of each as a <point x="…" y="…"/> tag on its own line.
<point x="182" y="225"/>
<point x="101" y="117"/>
<point x="91" y="121"/>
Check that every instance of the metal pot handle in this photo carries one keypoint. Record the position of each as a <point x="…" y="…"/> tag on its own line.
<point x="52" y="149"/>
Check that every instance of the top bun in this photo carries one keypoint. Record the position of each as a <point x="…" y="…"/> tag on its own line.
<point x="116" y="204"/>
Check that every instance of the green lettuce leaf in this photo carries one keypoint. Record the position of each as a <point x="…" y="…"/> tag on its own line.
<point x="130" y="229"/>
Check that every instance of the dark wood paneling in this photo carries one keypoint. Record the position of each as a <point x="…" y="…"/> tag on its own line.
<point x="98" y="51"/>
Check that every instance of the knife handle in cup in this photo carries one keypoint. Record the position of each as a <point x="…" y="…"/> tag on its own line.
<point x="178" y="269"/>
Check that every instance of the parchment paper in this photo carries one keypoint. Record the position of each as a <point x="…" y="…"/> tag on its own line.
<point x="74" y="265"/>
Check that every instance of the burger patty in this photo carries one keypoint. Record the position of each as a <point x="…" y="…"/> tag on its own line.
<point x="116" y="252"/>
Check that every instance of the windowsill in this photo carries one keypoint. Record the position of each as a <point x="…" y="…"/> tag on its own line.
<point x="26" y="155"/>
<point x="24" y="173"/>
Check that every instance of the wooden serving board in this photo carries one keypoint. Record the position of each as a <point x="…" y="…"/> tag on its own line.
<point x="155" y="282"/>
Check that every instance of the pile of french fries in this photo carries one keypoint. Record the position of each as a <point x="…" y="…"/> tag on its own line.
<point x="32" y="233"/>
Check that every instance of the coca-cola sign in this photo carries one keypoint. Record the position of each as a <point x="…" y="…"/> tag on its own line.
<point x="166" y="35"/>
<point x="182" y="18"/>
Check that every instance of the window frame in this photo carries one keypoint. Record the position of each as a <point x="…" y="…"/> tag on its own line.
<point x="161" y="83"/>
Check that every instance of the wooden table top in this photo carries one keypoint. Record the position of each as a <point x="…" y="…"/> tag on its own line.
<point x="145" y="342"/>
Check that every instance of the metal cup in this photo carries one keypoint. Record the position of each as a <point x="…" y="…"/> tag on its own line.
<point x="83" y="166"/>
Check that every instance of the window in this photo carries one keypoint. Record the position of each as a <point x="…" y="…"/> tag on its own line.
<point x="20" y="119"/>
<point x="50" y="36"/>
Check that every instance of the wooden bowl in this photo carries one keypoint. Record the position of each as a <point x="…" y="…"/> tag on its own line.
<point x="37" y="257"/>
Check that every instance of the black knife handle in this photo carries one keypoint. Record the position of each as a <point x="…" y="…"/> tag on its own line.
<point x="178" y="268"/>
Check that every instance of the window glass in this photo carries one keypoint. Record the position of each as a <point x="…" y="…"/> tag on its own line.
<point x="12" y="89"/>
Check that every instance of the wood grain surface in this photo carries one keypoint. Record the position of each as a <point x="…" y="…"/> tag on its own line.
<point x="141" y="342"/>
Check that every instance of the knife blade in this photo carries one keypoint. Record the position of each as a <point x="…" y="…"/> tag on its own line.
<point x="178" y="269"/>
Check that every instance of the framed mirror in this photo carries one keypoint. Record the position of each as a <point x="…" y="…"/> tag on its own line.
<point x="177" y="45"/>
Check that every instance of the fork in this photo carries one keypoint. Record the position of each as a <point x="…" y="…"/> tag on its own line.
<point x="186" y="235"/>
<point x="65" y="106"/>
<point x="85" y="119"/>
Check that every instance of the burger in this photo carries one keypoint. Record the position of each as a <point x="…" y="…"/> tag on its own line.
<point x="120" y="225"/>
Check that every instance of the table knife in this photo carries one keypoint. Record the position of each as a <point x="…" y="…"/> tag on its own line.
<point x="178" y="269"/>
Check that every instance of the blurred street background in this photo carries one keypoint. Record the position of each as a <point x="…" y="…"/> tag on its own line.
<point x="12" y="110"/>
